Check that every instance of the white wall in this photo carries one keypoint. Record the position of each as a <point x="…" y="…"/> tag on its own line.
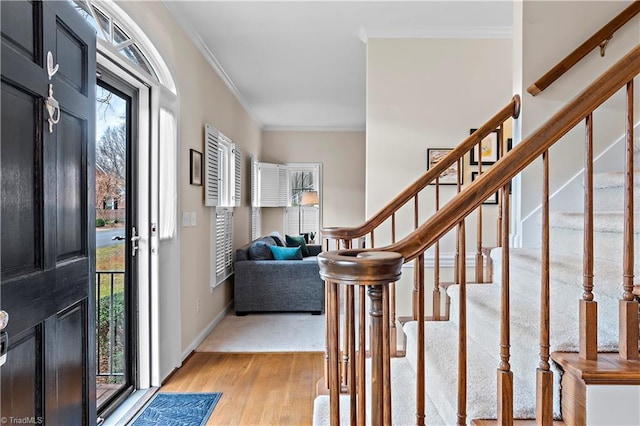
<point x="204" y="98"/>
<point x="342" y="155"/>
<point x="427" y="93"/>
<point x="542" y="38"/>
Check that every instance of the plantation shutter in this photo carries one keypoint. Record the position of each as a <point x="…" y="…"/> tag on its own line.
<point x="237" y="173"/>
<point x="223" y="246"/>
<point x="211" y="167"/>
<point x="309" y="218"/>
<point x="273" y="185"/>
<point x="256" y="223"/>
<point x="254" y="183"/>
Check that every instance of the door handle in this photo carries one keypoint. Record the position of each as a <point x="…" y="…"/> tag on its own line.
<point x="4" y="337"/>
<point x="134" y="241"/>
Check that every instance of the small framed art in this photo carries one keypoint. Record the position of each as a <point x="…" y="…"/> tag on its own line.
<point x="450" y="175"/>
<point x="195" y="167"/>
<point x="491" y="200"/>
<point x="489" y="149"/>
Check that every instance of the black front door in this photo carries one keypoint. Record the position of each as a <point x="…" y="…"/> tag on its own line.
<point x="48" y="214"/>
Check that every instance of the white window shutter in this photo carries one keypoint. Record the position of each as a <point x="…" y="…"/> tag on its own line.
<point x="211" y="167"/>
<point x="237" y="172"/>
<point x="284" y="196"/>
<point x="256" y="223"/>
<point x="254" y="183"/>
<point x="309" y="216"/>
<point x="269" y="184"/>
<point x="222" y="256"/>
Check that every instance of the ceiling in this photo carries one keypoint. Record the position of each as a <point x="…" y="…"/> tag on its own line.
<point x="301" y="65"/>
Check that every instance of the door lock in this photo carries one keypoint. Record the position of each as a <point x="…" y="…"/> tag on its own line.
<point x="134" y="241"/>
<point x="4" y="337"/>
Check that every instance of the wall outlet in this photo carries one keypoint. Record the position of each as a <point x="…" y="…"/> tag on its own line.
<point x="198" y="306"/>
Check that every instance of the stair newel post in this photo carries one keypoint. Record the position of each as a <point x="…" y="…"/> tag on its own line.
<point x="462" y="331"/>
<point x="628" y="305"/>
<point x="386" y="354"/>
<point x="588" y="306"/>
<point x="479" y="269"/>
<point x="505" y="375"/>
<point x="420" y="381"/>
<point x="334" y="351"/>
<point x="436" y="265"/>
<point x="544" y="376"/>
<point x="374" y="271"/>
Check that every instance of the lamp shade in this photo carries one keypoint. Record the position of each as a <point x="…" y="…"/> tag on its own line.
<point x="309" y="198"/>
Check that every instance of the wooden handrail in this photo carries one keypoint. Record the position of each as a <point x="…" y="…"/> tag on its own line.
<point x="518" y="158"/>
<point x="601" y="36"/>
<point x="512" y="109"/>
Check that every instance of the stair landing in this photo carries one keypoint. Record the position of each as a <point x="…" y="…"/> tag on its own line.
<point x="515" y="422"/>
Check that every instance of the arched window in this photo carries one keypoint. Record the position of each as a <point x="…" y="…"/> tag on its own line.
<point x="125" y="38"/>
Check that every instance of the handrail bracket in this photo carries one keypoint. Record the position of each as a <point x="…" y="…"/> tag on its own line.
<point x="603" y="45"/>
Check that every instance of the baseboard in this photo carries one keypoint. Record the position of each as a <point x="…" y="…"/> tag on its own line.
<point x="200" y="337"/>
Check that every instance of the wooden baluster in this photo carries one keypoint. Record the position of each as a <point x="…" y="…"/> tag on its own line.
<point x="351" y="350"/>
<point x="392" y="300"/>
<point x="479" y="269"/>
<point x="462" y="331"/>
<point x="456" y="259"/>
<point x="436" y="267"/>
<point x="628" y="305"/>
<point x="544" y="376"/>
<point x="588" y="306"/>
<point x="362" y="355"/>
<point x="420" y="383"/>
<point x="327" y="329"/>
<point x="415" y="296"/>
<point x="500" y="218"/>
<point x="505" y="375"/>
<point x="348" y="312"/>
<point x="416" y="215"/>
<point x="376" y="347"/>
<point x="372" y="239"/>
<point x="334" y="352"/>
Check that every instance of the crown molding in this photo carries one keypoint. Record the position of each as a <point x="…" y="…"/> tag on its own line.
<point x="210" y="57"/>
<point x="439" y="32"/>
<point x="313" y="129"/>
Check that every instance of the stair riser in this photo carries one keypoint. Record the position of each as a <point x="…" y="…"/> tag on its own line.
<point x="607" y="245"/>
<point x="608" y="199"/>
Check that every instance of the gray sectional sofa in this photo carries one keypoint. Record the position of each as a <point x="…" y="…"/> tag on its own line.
<point x="262" y="284"/>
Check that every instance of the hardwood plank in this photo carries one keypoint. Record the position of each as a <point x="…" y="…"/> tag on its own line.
<point x="257" y="389"/>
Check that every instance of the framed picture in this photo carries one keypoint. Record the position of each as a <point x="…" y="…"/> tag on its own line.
<point x="195" y="167"/>
<point x="489" y="149"/>
<point x="491" y="200"/>
<point x="450" y="175"/>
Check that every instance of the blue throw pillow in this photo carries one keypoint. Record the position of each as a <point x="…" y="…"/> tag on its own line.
<point x="286" y="253"/>
<point x="297" y="241"/>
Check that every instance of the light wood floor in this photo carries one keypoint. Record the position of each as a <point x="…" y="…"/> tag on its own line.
<point x="257" y="389"/>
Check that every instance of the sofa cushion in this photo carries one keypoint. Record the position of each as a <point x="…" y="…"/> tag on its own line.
<point x="297" y="241"/>
<point x="277" y="238"/>
<point x="286" y="253"/>
<point x="259" y="250"/>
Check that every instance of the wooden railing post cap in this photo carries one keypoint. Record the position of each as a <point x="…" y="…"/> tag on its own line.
<point x="360" y="267"/>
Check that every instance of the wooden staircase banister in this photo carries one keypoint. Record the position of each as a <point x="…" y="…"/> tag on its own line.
<point x="512" y="109"/>
<point x="597" y="39"/>
<point x="518" y="158"/>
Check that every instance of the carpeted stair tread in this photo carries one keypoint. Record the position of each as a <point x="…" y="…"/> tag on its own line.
<point x="403" y="385"/>
<point x="441" y="358"/>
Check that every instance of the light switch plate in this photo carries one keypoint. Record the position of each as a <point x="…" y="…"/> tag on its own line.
<point x="185" y="219"/>
<point x="193" y="219"/>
